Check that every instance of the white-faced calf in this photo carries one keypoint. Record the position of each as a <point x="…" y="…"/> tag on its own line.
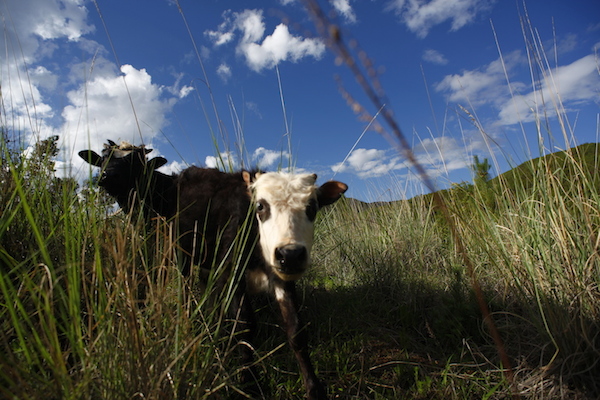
<point x="212" y="208"/>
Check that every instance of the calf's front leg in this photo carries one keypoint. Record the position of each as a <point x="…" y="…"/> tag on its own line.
<point x="298" y="339"/>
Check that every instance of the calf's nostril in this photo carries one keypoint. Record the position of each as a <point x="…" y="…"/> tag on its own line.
<point x="290" y="254"/>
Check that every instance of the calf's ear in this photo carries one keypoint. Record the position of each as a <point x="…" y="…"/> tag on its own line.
<point x="250" y="177"/>
<point x="156" y="162"/>
<point x="91" y="157"/>
<point x="330" y="192"/>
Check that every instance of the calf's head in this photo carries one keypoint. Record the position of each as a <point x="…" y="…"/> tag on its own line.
<point x="122" y="166"/>
<point x="286" y="208"/>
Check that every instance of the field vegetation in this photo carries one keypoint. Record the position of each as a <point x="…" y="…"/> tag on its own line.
<point x="94" y="305"/>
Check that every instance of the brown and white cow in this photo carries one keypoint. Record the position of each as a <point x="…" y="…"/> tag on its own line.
<point x="212" y="207"/>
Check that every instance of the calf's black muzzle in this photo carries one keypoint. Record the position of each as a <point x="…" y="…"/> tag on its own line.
<point x="292" y="259"/>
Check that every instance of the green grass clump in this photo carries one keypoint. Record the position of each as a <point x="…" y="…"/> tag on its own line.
<point x="93" y="304"/>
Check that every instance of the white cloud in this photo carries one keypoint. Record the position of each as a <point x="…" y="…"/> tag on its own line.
<point x="564" y="86"/>
<point x="103" y="108"/>
<point x="564" y="45"/>
<point x="224" y="72"/>
<point x="261" y="157"/>
<point x="439" y="156"/>
<point x="176" y="89"/>
<point x="578" y="82"/>
<point x="32" y="29"/>
<point x="220" y="38"/>
<point x="442" y="155"/>
<point x="265" y="158"/>
<point x="253" y="107"/>
<point x="184" y="91"/>
<point x="344" y="8"/>
<point x="280" y="46"/>
<point x="224" y="161"/>
<point x="422" y="15"/>
<point x="211" y="162"/>
<point x="370" y="163"/>
<point x="174" y="167"/>
<point x="434" y="57"/>
<point x="483" y="85"/>
<point x="35" y="22"/>
<point x="97" y="105"/>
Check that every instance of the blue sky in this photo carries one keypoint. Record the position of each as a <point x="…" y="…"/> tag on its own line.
<point x="255" y="76"/>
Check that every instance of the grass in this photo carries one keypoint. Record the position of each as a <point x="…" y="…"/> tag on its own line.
<point x="93" y="306"/>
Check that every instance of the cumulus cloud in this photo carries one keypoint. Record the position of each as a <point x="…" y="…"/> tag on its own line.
<point x="442" y="155"/>
<point x="434" y="57"/>
<point x="482" y="85"/>
<point x="36" y="22"/>
<point x="263" y="53"/>
<point x="370" y="163"/>
<point x="103" y="108"/>
<point x="563" y="86"/>
<point x="265" y="158"/>
<point x="224" y="161"/>
<point x="438" y="156"/>
<point x="422" y="15"/>
<point x="32" y="30"/>
<point x="344" y="8"/>
<point x="100" y="98"/>
<point x="566" y="85"/>
<point x="174" y="167"/>
<point x="224" y="72"/>
<point x="261" y="157"/>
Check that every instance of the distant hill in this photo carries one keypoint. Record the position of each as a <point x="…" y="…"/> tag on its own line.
<point x="565" y="165"/>
<point x="583" y="159"/>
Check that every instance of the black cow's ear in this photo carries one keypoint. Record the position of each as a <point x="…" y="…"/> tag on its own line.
<point x="91" y="157"/>
<point x="156" y="162"/>
<point x="330" y="192"/>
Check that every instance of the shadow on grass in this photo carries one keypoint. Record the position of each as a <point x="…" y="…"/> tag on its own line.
<point x="416" y="342"/>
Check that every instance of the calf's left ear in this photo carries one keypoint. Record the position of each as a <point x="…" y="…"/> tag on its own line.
<point x="250" y="177"/>
<point x="330" y="192"/>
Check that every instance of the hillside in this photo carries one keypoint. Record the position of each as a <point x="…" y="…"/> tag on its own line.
<point x="567" y="165"/>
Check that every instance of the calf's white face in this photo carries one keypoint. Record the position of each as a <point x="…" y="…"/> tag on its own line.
<point x="286" y="208"/>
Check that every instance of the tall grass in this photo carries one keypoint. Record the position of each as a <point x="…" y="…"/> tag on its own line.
<point x="94" y="306"/>
<point x="539" y="248"/>
<point x="531" y="243"/>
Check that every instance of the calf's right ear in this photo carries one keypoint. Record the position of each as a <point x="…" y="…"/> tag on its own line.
<point x="91" y="157"/>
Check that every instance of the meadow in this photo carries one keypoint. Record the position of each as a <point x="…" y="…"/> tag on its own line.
<point x="94" y="305"/>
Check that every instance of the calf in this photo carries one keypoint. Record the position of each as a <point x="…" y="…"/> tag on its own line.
<point x="213" y="207"/>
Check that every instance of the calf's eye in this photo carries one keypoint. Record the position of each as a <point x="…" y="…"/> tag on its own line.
<point x="262" y="210"/>
<point x="311" y="210"/>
